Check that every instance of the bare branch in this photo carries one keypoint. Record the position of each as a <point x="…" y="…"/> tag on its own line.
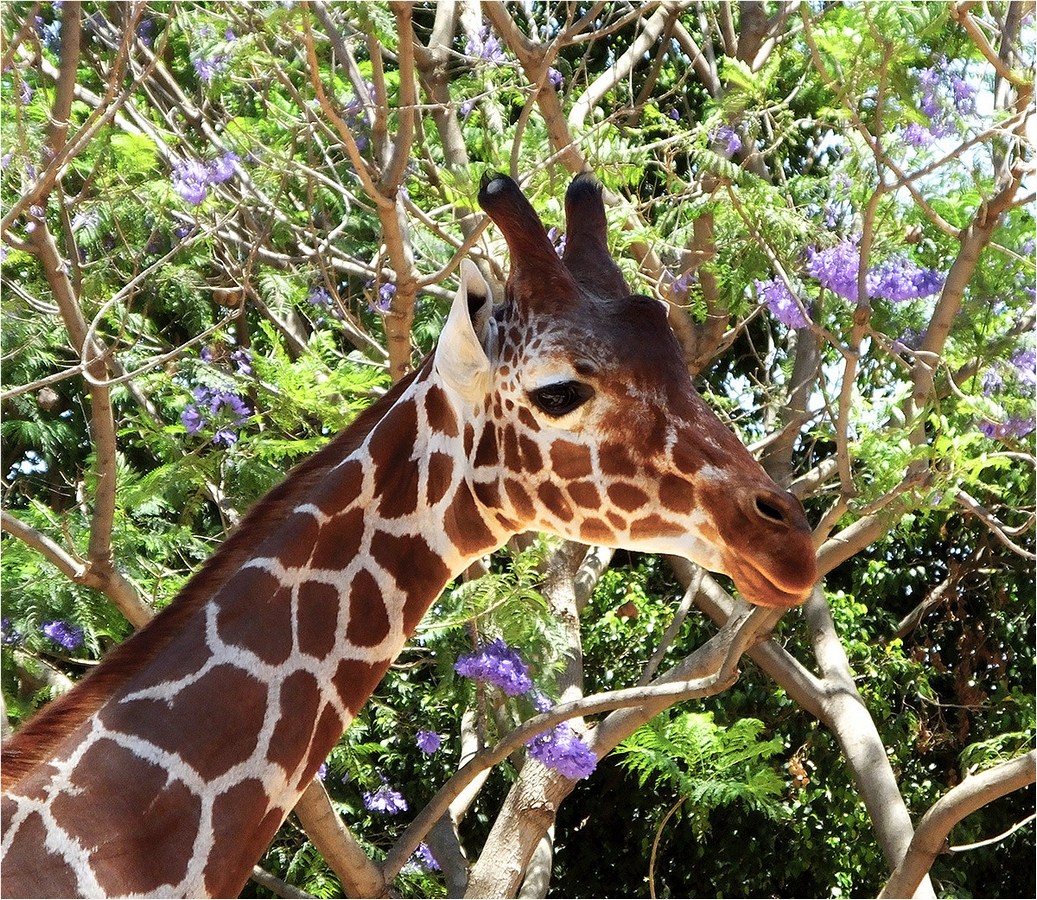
<point x="960" y="801"/>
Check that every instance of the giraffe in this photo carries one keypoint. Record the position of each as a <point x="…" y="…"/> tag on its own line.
<point x="566" y="409"/>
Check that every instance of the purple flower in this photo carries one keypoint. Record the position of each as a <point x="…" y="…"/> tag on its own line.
<point x="428" y="741"/>
<point x="9" y="635"/>
<point x="564" y="751"/>
<point x="423" y="856"/>
<point x="899" y="279"/>
<point x="318" y="297"/>
<point x="964" y="96"/>
<point x="466" y="108"/>
<point x="836" y="268"/>
<point x="916" y="135"/>
<point x="992" y="382"/>
<point x="485" y="46"/>
<point x="322" y="771"/>
<point x="192" y="419"/>
<point x="222" y="169"/>
<point x="385" y="800"/>
<point x="1015" y="426"/>
<point x="682" y="285"/>
<point x="207" y="69"/>
<point x="1025" y="362"/>
<point x="557" y="239"/>
<point x="68" y="636"/>
<point x="726" y="136"/>
<point x="191" y="181"/>
<point x="541" y="702"/>
<point x="555" y="77"/>
<point x="243" y="360"/>
<point x="146" y="31"/>
<point x="782" y="305"/>
<point x="498" y="664"/>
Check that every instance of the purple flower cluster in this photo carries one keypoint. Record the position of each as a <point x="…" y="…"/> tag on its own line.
<point x="485" y="46"/>
<point x="897" y="279"/>
<point x="555" y="77"/>
<point x="782" y="305"/>
<point x="944" y="95"/>
<point x="423" y="856"/>
<point x="192" y="179"/>
<point x="68" y="636"/>
<point x="209" y="68"/>
<point x="428" y="741"/>
<point x="216" y="404"/>
<point x="560" y="748"/>
<point x="385" y="800"/>
<point x="9" y="635"/>
<point x="727" y="139"/>
<point x="563" y="750"/>
<point x="1014" y="426"/>
<point x="498" y="664"/>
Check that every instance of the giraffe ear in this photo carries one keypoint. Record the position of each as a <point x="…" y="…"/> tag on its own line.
<point x="461" y="359"/>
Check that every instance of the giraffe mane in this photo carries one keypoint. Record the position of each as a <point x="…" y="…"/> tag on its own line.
<point x="33" y="743"/>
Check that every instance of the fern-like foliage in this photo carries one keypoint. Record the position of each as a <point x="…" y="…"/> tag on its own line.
<point x="706" y="764"/>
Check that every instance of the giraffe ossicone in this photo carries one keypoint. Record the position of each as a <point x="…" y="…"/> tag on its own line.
<point x="567" y="409"/>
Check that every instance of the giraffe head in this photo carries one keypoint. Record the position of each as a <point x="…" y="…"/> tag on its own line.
<point x="581" y="418"/>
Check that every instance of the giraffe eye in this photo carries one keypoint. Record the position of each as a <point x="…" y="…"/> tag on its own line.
<point x="561" y="398"/>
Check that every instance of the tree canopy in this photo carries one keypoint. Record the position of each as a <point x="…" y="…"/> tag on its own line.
<point x="228" y="228"/>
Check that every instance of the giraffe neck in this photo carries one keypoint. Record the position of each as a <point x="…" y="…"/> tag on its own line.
<point x="224" y="727"/>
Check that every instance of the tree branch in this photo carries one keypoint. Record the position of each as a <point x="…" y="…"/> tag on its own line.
<point x="960" y="801"/>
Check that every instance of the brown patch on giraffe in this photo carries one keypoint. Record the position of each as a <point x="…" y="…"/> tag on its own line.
<point x="258" y="615"/>
<point x="469" y="439"/>
<point x="627" y="497"/>
<point x="532" y="461"/>
<point x="569" y="460"/>
<point x="465" y="527"/>
<point x="354" y="680"/>
<point x="519" y="498"/>
<point x="528" y="419"/>
<point x="676" y="494"/>
<point x="487" y="493"/>
<point x="28" y="844"/>
<point x="486" y="453"/>
<point x="585" y="494"/>
<point x="440" y="474"/>
<point x="439" y="413"/>
<point x="211" y="738"/>
<point x="686" y="458"/>
<point x="397" y="491"/>
<point x="237" y="842"/>
<point x="317" y="618"/>
<point x="552" y="497"/>
<point x="113" y="787"/>
<point x="340" y="488"/>
<point x="512" y="458"/>
<point x="392" y="439"/>
<point x="595" y="531"/>
<point x="368" y="622"/>
<point x="339" y="541"/>
<point x="618" y="521"/>
<point x="299" y="698"/>
<point x="327" y="731"/>
<point x="304" y="530"/>
<point x="419" y="571"/>
<point x="654" y="526"/>
<point x="616" y="461"/>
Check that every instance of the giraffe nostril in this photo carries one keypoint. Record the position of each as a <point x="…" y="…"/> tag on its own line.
<point x="769" y="510"/>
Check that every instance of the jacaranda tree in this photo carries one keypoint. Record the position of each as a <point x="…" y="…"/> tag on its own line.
<point x="228" y="227"/>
